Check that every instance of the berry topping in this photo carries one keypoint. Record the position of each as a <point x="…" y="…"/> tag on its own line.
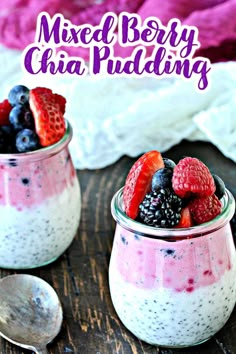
<point x="27" y="140"/>
<point x="48" y="117"/>
<point x="185" y="218"/>
<point x="160" y="209"/>
<point x="8" y="136"/>
<point x="20" y="117"/>
<point x="5" y="109"/>
<point x="162" y="178"/>
<point x="138" y="181"/>
<point x="220" y="186"/>
<point x="204" y="209"/>
<point x="192" y="177"/>
<point x="61" y="101"/>
<point x="169" y="163"/>
<point x="19" y="94"/>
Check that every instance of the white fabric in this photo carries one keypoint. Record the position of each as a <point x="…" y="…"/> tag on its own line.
<point x="126" y="116"/>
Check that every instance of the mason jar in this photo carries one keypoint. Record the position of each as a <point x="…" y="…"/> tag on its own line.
<point x="40" y="205"/>
<point x="173" y="287"/>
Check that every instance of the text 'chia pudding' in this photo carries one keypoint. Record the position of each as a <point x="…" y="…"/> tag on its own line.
<point x="173" y="262"/>
<point x="39" y="189"/>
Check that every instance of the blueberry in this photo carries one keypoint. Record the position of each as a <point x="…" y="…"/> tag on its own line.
<point x="20" y="117"/>
<point x="19" y="94"/>
<point x="162" y="178"/>
<point x="27" y="140"/>
<point x="220" y="186"/>
<point x="25" y="181"/>
<point x="169" y="163"/>
<point x="12" y="162"/>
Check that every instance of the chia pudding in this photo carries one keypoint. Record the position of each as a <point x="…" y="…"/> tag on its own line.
<point x="172" y="274"/>
<point x="39" y="205"/>
<point x="173" y="293"/>
<point x="40" y="199"/>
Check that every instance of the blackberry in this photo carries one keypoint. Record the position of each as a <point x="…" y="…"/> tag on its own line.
<point x="160" y="209"/>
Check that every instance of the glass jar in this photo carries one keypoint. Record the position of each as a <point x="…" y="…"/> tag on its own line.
<point x="39" y="205"/>
<point x="173" y="287"/>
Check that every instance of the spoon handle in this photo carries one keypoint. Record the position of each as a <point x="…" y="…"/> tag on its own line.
<point x="41" y="351"/>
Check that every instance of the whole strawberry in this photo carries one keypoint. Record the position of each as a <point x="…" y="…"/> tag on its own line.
<point x="204" y="209"/>
<point x="191" y="177"/>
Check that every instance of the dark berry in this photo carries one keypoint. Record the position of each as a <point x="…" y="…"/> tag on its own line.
<point x="233" y="226"/>
<point x="220" y="186"/>
<point x="160" y="209"/>
<point x="19" y="94"/>
<point x="27" y="140"/>
<point x="7" y="139"/>
<point x="162" y="178"/>
<point x="25" y="180"/>
<point x="20" y="117"/>
<point x="12" y="162"/>
<point x="2" y="141"/>
<point x="169" y="163"/>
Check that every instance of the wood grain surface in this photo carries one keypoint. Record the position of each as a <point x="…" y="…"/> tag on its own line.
<point x="80" y="276"/>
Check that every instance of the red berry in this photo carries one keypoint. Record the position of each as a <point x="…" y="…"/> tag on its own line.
<point x="61" y="101"/>
<point x="204" y="209"/>
<point x="185" y="219"/>
<point x="192" y="177"/>
<point x="138" y="181"/>
<point x="58" y="98"/>
<point x="48" y="117"/>
<point x="5" y="109"/>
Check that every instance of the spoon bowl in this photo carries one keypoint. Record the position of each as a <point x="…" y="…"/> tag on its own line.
<point x="30" y="312"/>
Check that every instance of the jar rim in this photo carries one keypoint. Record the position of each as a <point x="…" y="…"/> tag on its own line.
<point x="117" y="210"/>
<point x="43" y="152"/>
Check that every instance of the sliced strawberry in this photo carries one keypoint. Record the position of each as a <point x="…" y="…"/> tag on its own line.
<point x="58" y="98"/>
<point x="5" y="109"/>
<point x="61" y="101"/>
<point x="43" y="91"/>
<point x="49" y="120"/>
<point x="138" y="181"/>
<point x="185" y="219"/>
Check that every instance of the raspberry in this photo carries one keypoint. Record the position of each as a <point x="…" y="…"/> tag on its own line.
<point x="192" y="177"/>
<point x="204" y="209"/>
<point x="5" y="109"/>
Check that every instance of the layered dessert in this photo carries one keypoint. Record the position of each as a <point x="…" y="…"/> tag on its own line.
<point x="39" y="189"/>
<point x="173" y="263"/>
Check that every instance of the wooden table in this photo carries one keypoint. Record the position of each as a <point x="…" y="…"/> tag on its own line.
<point x="80" y="278"/>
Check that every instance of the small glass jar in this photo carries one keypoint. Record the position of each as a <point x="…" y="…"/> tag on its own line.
<point x="173" y="287"/>
<point x="40" y="205"/>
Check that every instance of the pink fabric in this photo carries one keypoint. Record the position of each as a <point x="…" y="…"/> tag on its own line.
<point x="215" y="20"/>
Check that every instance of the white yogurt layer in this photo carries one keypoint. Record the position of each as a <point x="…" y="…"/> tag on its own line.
<point x="39" y="234"/>
<point x="164" y="317"/>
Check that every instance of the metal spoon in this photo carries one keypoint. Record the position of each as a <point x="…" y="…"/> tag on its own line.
<point x="30" y="312"/>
